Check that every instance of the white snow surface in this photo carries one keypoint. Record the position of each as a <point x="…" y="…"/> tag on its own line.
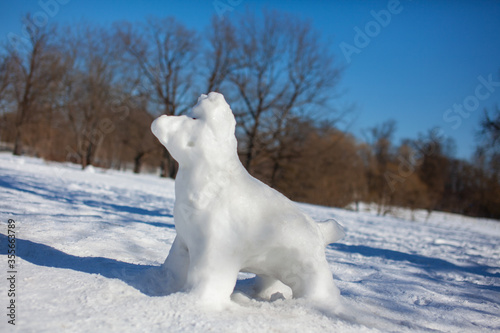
<point x="228" y="222"/>
<point x="85" y="242"/>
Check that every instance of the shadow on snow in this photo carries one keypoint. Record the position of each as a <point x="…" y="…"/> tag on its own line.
<point x="43" y="255"/>
<point x="149" y="280"/>
<point x="427" y="263"/>
<point x="62" y="194"/>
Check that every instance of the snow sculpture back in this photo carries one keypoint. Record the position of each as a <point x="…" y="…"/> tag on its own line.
<point x="227" y="221"/>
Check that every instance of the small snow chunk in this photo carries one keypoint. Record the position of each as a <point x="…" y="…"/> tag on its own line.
<point x="89" y="169"/>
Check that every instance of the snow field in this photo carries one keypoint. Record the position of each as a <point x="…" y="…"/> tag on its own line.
<point x="88" y="242"/>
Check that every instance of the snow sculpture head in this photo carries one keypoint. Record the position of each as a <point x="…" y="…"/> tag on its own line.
<point x="227" y="221"/>
<point x="207" y="131"/>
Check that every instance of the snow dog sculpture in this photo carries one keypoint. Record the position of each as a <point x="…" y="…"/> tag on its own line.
<point x="227" y="221"/>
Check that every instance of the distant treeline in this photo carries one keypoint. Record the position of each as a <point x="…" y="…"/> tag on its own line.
<point x="88" y="94"/>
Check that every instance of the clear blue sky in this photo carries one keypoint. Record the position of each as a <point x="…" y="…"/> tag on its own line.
<point x="414" y="68"/>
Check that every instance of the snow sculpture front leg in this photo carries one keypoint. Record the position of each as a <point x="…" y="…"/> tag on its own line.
<point x="176" y="265"/>
<point x="212" y="273"/>
<point x="213" y="267"/>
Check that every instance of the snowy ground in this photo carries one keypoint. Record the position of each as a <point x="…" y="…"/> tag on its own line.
<point x="86" y="238"/>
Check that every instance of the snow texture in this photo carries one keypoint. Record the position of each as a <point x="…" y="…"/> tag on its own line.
<point x="88" y="244"/>
<point x="227" y="221"/>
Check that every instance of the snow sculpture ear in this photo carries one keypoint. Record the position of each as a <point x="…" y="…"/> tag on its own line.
<point x="214" y="110"/>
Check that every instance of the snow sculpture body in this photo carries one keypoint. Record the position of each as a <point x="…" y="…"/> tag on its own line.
<point x="227" y="221"/>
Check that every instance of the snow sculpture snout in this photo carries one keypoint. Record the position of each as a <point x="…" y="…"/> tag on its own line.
<point x="227" y="221"/>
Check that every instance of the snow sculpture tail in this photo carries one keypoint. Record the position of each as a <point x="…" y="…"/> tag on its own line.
<point x="331" y="230"/>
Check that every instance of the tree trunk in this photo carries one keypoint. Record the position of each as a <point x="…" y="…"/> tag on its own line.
<point x="17" y="144"/>
<point x="252" y="138"/>
<point x="249" y="156"/>
<point x="168" y="166"/>
<point x="173" y="167"/>
<point x="276" y="167"/>
<point x="138" y="162"/>
<point x="87" y="155"/>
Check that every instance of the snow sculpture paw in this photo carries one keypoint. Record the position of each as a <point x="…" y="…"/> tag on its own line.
<point x="227" y="221"/>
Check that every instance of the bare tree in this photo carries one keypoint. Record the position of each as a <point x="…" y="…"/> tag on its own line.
<point x="34" y="72"/>
<point x="434" y="166"/>
<point x="163" y="51"/>
<point x="408" y="191"/>
<point x="489" y="135"/>
<point x="4" y="75"/>
<point x="259" y="80"/>
<point x="328" y="169"/>
<point x="136" y="135"/>
<point x="91" y="90"/>
<point x="5" y="83"/>
<point x="4" y="100"/>
<point x="312" y="75"/>
<point x="220" y="54"/>
<point x="378" y="171"/>
<point x="282" y="70"/>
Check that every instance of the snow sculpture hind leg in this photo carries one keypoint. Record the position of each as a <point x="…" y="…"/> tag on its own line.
<point x="269" y="288"/>
<point x="320" y="286"/>
<point x="311" y="278"/>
